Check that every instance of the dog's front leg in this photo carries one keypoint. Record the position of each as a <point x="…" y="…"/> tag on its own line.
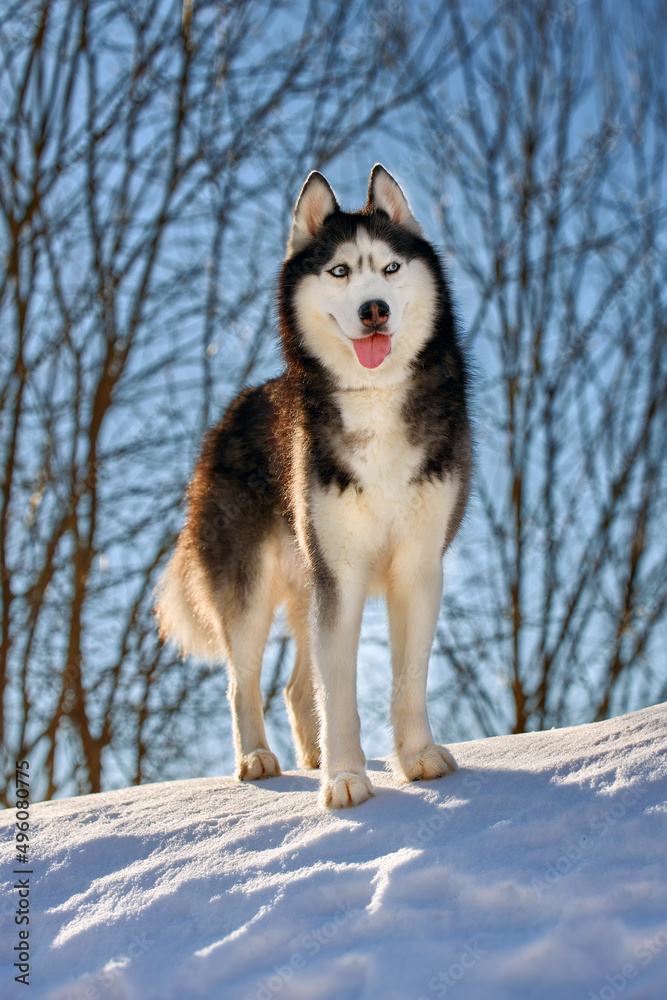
<point x="335" y="623"/>
<point x="413" y="603"/>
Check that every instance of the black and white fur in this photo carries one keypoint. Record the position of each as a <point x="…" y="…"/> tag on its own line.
<point x="329" y="483"/>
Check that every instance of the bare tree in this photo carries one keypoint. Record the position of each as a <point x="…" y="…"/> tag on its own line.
<point x="549" y="180"/>
<point x="151" y="151"/>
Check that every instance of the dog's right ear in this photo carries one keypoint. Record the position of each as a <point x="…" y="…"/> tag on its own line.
<point x="315" y="203"/>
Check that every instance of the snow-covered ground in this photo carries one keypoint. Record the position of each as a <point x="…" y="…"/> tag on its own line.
<point x="536" y="871"/>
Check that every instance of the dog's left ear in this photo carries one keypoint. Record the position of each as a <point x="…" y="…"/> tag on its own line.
<point x="386" y="194"/>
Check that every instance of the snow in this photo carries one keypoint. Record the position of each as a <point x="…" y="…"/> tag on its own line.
<point x="537" y="870"/>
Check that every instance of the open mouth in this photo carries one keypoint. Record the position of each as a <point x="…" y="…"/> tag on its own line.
<point x="371" y="351"/>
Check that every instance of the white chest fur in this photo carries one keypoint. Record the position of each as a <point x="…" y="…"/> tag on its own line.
<point x="376" y="446"/>
<point x="390" y="510"/>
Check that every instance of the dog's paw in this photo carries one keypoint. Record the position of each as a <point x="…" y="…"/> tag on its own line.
<point x="258" y="764"/>
<point x="348" y="788"/>
<point x="432" y="762"/>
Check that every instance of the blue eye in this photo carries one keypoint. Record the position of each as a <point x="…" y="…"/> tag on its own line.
<point x="340" y="271"/>
<point x="392" y="268"/>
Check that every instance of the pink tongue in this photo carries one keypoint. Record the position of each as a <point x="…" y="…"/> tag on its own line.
<point x="372" y="350"/>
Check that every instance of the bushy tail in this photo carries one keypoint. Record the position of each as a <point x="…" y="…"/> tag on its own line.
<point x="184" y="609"/>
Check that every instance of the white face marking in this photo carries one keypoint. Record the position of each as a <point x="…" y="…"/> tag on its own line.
<point x="327" y="309"/>
<point x="366" y="280"/>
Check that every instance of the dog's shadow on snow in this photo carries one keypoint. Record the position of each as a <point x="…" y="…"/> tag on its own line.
<point x="308" y="781"/>
<point x="472" y="780"/>
<point x="494" y="806"/>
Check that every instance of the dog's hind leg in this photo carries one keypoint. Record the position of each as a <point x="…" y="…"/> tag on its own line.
<point x="246" y="636"/>
<point x="300" y="689"/>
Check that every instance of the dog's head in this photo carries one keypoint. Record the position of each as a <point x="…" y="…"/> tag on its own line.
<point x="360" y="290"/>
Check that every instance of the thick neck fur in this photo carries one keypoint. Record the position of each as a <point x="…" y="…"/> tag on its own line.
<point x="427" y="386"/>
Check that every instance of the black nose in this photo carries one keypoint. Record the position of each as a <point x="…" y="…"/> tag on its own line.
<point x="374" y="313"/>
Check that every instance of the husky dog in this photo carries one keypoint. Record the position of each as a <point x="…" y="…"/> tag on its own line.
<point x="347" y="475"/>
